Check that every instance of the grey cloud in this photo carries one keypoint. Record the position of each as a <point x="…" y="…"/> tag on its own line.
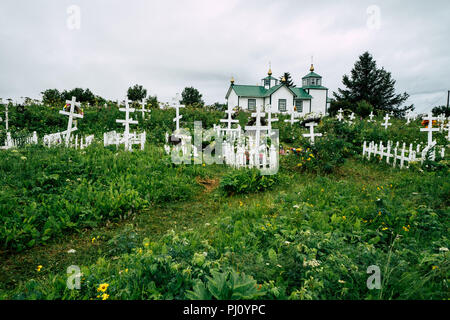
<point x="167" y="45"/>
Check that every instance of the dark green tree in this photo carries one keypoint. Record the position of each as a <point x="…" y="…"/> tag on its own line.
<point x="374" y="85"/>
<point x="136" y="93"/>
<point x="441" y="110"/>
<point x="191" y="96"/>
<point x="288" y="79"/>
<point x="152" y="102"/>
<point x="80" y="94"/>
<point x="52" y="97"/>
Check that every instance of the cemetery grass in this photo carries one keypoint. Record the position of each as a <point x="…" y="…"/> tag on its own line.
<point x="309" y="237"/>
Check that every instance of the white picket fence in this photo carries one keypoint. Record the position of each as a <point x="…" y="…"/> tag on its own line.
<point x="56" y="139"/>
<point x="242" y="154"/>
<point x="14" y="143"/>
<point x="400" y="156"/>
<point x="114" y="138"/>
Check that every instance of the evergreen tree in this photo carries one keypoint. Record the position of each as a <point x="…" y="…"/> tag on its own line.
<point x="288" y="79"/>
<point x="373" y="85"/>
<point x="441" y="110"/>
<point x="191" y="96"/>
<point x="136" y="93"/>
<point x="52" y="97"/>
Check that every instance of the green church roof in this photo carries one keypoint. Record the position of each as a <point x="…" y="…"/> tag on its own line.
<point x="315" y="87"/>
<point x="261" y="92"/>
<point x="249" y="91"/>
<point x="300" y="93"/>
<point x="312" y="75"/>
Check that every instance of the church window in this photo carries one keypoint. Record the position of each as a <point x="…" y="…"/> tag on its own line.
<point x="282" y="105"/>
<point x="299" y="105"/>
<point x="252" y="104"/>
<point x="266" y="82"/>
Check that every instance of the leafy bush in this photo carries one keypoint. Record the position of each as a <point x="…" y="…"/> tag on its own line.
<point x="246" y="181"/>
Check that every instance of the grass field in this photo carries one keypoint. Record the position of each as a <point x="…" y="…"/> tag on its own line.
<point x="140" y="227"/>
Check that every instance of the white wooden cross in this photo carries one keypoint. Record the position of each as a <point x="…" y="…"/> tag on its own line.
<point x="429" y="128"/>
<point x="340" y="117"/>
<point x="371" y="115"/>
<point x="311" y="133"/>
<point x="408" y="117"/>
<point x="386" y="123"/>
<point x="177" y="106"/>
<point x="143" y="110"/>
<point x="257" y="127"/>
<point x="293" y="119"/>
<point x="447" y="128"/>
<point x="71" y="114"/>
<point x="351" y="118"/>
<point x="269" y="117"/>
<point x="126" y="123"/>
<point x="229" y="120"/>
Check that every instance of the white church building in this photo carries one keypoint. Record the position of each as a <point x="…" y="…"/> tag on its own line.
<point x="310" y="97"/>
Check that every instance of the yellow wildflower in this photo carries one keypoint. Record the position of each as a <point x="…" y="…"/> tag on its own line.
<point x="308" y="159"/>
<point x="103" y="287"/>
<point x="93" y="239"/>
<point x="344" y="217"/>
<point x="105" y="296"/>
<point x="240" y="204"/>
<point x="384" y="229"/>
<point x="435" y="267"/>
<point x="39" y="267"/>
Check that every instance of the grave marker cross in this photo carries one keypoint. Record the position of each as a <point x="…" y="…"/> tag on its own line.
<point x="257" y="127"/>
<point x="429" y="128"/>
<point x="143" y="110"/>
<point x="386" y="123"/>
<point x="311" y="133"/>
<point x="340" y="117"/>
<point x="293" y="119"/>
<point x="351" y="118"/>
<point x="177" y="105"/>
<point x="229" y="120"/>
<point x="71" y="114"/>
<point x="269" y="117"/>
<point x="126" y="123"/>
<point x="371" y="115"/>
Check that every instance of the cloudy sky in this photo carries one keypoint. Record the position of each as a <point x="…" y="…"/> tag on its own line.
<point x="168" y="45"/>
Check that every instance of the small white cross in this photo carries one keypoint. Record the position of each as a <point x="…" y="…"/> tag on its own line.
<point x="269" y="117"/>
<point x="386" y="123"/>
<point x="447" y="128"/>
<point x="293" y="118"/>
<point x="177" y="106"/>
<point x="340" y="117"/>
<point x="351" y="118"/>
<point x="311" y="133"/>
<point x="143" y="110"/>
<point x="126" y="123"/>
<point x="257" y="127"/>
<point x="71" y="114"/>
<point x="229" y="120"/>
<point x="371" y="115"/>
<point x="429" y="128"/>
